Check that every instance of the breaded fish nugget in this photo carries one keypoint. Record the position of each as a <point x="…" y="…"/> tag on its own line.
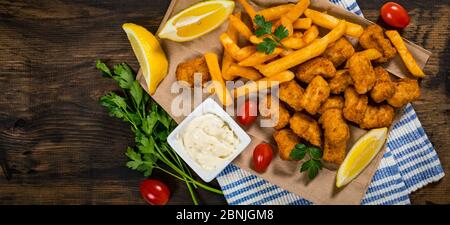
<point x="378" y="116"/>
<point x="331" y="103"/>
<point x="307" y="128"/>
<point x="316" y="93"/>
<point x="384" y="87"/>
<point x="373" y="37"/>
<point x="336" y="135"/>
<point x="291" y="93"/>
<point x="406" y="90"/>
<point x="355" y="105"/>
<point x="339" y="51"/>
<point x="187" y="70"/>
<point x="315" y="67"/>
<point x="361" y="71"/>
<point x="286" y="141"/>
<point x="340" y="81"/>
<point x="271" y="108"/>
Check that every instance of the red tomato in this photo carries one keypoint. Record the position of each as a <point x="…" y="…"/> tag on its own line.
<point x="155" y="192"/>
<point x="395" y="15"/>
<point x="248" y="113"/>
<point x="262" y="156"/>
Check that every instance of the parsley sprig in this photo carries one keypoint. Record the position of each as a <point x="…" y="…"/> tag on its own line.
<point x="265" y="28"/>
<point x="150" y="124"/>
<point x="313" y="165"/>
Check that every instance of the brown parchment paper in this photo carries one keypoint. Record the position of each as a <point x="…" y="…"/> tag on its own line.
<point x="282" y="173"/>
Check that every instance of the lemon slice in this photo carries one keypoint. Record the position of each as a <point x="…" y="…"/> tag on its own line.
<point x="361" y="154"/>
<point x="197" y="20"/>
<point x="149" y="53"/>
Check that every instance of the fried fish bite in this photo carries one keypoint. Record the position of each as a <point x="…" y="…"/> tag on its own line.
<point x="340" y="81"/>
<point x="384" y="87"/>
<point x="406" y="90"/>
<point x="361" y="71"/>
<point x="339" y="51"/>
<point x="316" y="93"/>
<point x="336" y="135"/>
<point x="286" y="141"/>
<point x="373" y="37"/>
<point x="291" y="93"/>
<point x="270" y="108"/>
<point x="315" y="67"/>
<point x="186" y="71"/>
<point x="355" y="105"/>
<point x="331" y="103"/>
<point x="378" y="116"/>
<point x="307" y="128"/>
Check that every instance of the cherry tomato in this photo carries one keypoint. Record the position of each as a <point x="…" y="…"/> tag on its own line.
<point x="395" y="15"/>
<point x="154" y="192"/>
<point x="248" y="113"/>
<point x="262" y="156"/>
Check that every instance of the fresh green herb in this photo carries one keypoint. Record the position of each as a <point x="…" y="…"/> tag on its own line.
<point x="265" y="28"/>
<point x="150" y="124"/>
<point x="313" y="165"/>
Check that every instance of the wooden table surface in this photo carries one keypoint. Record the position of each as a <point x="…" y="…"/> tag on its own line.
<point x="58" y="144"/>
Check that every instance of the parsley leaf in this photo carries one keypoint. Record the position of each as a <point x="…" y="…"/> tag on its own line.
<point x="281" y="32"/>
<point x="313" y="165"/>
<point x="273" y="40"/>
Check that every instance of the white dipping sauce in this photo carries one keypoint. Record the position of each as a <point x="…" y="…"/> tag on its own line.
<point x="209" y="140"/>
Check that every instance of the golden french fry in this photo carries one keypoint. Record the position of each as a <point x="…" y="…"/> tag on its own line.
<point x="311" y="34"/>
<point x="219" y="84"/>
<point x="330" y="22"/>
<point x="404" y="53"/>
<point x="287" y="24"/>
<point x="263" y="84"/>
<point x="255" y="40"/>
<point x="283" y="54"/>
<point x="258" y="58"/>
<point x="245" y="52"/>
<point x="258" y="67"/>
<point x="293" y="42"/>
<point x="245" y="72"/>
<point x="248" y="8"/>
<point x="302" y="23"/>
<point x="296" y="11"/>
<point x="276" y="12"/>
<point x="298" y="34"/>
<point x="314" y="49"/>
<point x="240" y="26"/>
<point x="371" y="54"/>
<point x="227" y="59"/>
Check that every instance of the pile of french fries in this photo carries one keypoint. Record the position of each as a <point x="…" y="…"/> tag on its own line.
<point x="302" y="44"/>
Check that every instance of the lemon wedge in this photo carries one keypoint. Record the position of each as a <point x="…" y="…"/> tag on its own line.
<point x="149" y="53"/>
<point x="361" y="154"/>
<point x="197" y="20"/>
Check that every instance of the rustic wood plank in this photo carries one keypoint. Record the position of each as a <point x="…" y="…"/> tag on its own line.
<point x="61" y="146"/>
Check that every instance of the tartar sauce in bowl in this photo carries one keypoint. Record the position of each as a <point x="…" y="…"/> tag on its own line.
<point x="209" y="140"/>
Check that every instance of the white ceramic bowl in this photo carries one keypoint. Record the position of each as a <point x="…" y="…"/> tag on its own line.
<point x="208" y="106"/>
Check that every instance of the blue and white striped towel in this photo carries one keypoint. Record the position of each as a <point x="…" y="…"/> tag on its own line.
<point x="409" y="163"/>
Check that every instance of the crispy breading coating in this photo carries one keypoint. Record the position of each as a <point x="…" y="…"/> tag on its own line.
<point x="291" y="93"/>
<point x="378" y="116"/>
<point x="361" y="71"/>
<point x="384" y="87"/>
<point x="332" y="102"/>
<point x="336" y="135"/>
<point x="271" y="108"/>
<point x="315" y="67"/>
<point x="340" y="81"/>
<point x="373" y="37"/>
<point x="316" y="93"/>
<point x="286" y="141"/>
<point x="406" y="90"/>
<point x="355" y="105"/>
<point x="307" y="128"/>
<point x="187" y="70"/>
<point x="339" y="51"/>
